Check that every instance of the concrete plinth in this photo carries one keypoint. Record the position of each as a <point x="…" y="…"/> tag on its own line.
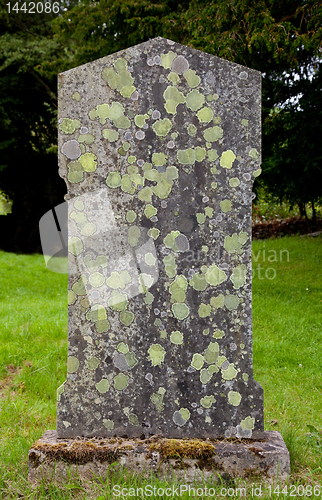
<point x="188" y="459"/>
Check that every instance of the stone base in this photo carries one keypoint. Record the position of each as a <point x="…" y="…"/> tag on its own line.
<point x="188" y="459"/>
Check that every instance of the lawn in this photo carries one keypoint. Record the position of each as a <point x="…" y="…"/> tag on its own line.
<point x="287" y="320"/>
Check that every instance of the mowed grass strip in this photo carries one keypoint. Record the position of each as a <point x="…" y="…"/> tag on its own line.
<point x="287" y="322"/>
<point x="33" y="342"/>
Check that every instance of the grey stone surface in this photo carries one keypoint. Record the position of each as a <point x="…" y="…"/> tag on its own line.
<point x="159" y="146"/>
<point x="194" y="460"/>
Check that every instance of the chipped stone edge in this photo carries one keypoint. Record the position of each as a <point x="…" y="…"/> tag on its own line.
<point x="263" y="460"/>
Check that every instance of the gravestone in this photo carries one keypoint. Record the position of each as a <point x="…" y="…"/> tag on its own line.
<point x="159" y="146"/>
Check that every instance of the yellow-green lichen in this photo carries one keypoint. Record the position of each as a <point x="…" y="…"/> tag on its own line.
<point x="257" y="172"/>
<point x="146" y="194"/>
<point x="234" y="182"/>
<point x="245" y="377"/>
<point x="96" y="313"/>
<point x="109" y="424"/>
<point x="185" y="413"/>
<point x="96" y="280"/>
<point x="235" y="242"/>
<point x="176" y="337"/>
<point x="195" y="100"/>
<point x="234" y="398"/>
<point x="149" y="298"/>
<point x="225" y="205"/>
<point x="167" y="59"/>
<point x="79" y="287"/>
<point x="178" y="289"/>
<point x="207" y="401"/>
<point x="205" y="115"/>
<point x="114" y="180"/>
<point x="239" y="276"/>
<point x="114" y="112"/>
<point x="131" y="159"/>
<point x="102" y="326"/>
<point x="229" y="373"/>
<point x="198" y="282"/>
<point x="68" y="126"/>
<point x="197" y="361"/>
<point x="92" y="363"/>
<point x="118" y="301"/>
<point x="205" y="376"/>
<point x="227" y="159"/>
<point x="145" y="282"/>
<point x="133" y="235"/>
<point x="213" y="134"/>
<point x="76" y="96"/>
<point x="248" y="423"/>
<point x="173" y="97"/>
<point x="212" y="154"/>
<point x="191" y="155"/>
<point x="213" y="369"/>
<point x="93" y="264"/>
<point x="254" y="154"/>
<point x="72" y="364"/>
<point x="156" y="354"/>
<point x="131" y="359"/>
<point x="119" y="79"/>
<point x="75" y="172"/>
<point x="150" y="211"/>
<point x="157" y="399"/>
<point x="103" y="386"/>
<point x="180" y="310"/>
<point x="133" y="419"/>
<point x="192" y="129"/>
<point x="173" y="78"/>
<point x="170" y="265"/>
<point x="215" y="276"/>
<point x="149" y="259"/>
<point x="204" y="310"/>
<point x="218" y="334"/>
<point x="162" y="127"/>
<point x="140" y="120"/>
<point x="88" y="162"/>
<point x="119" y="280"/>
<point x="154" y="233"/>
<point x="110" y="135"/>
<point x="130" y="216"/>
<point x="60" y="391"/>
<point x="192" y="78"/>
<point x="231" y="302"/>
<point x="122" y="347"/>
<point x="159" y="159"/>
<point x="86" y="138"/>
<point x="212" y="353"/>
<point x="72" y="297"/>
<point x="121" y="381"/>
<point x="126" y="317"/>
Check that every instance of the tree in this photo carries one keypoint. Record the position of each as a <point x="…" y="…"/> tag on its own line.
<point x="293" y="162"/>
<point x="28" y="103"/>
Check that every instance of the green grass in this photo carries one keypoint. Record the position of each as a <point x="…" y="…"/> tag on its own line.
<point x="287" y="319"/>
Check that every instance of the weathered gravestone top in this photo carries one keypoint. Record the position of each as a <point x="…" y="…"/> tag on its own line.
<point x="159" y="146"/>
